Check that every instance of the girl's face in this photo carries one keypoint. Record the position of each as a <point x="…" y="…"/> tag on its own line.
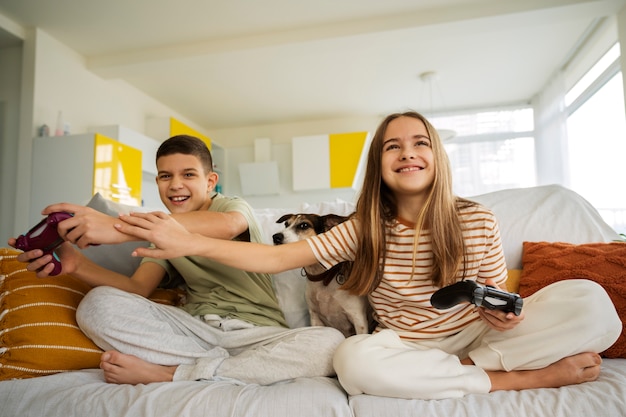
<point x="183" y="184"/>
<point x="407" y="158"/>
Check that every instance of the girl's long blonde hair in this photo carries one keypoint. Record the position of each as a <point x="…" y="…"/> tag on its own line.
<point x="376" y="209"/>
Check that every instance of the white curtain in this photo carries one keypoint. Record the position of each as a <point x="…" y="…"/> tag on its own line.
<point x="551" y="133"/>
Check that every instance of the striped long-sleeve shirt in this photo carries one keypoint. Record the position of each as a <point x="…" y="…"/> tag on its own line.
<point x="402" y="300"/>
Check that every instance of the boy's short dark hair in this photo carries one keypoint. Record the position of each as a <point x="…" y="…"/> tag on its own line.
<point x="187" y="145"/>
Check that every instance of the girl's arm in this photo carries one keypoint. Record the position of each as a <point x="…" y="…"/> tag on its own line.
<point x="172" y="240"/>
<point x="222" y="225"/>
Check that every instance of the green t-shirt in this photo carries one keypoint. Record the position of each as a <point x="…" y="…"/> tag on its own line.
<point x="213" y="288"/>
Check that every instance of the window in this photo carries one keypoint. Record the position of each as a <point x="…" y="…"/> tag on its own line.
<point x="492" y="150"/>
<point x="596" y="130"/>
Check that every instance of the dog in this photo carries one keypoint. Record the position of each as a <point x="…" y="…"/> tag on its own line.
<point x="328" y="304"/>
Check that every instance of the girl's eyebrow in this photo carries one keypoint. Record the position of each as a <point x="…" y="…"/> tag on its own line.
<point x="417" y="136"/>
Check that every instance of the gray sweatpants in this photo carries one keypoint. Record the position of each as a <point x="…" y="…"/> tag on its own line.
<point x="166" y="335"/>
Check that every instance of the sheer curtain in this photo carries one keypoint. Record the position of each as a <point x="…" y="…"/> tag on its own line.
<point x="551" y="133"/>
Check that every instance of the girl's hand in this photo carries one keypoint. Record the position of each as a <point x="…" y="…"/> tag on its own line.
<point x="170" y="238"/>
<point x="498" y="319"/>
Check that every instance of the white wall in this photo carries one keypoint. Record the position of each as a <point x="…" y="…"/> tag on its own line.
<point x="10" y="76"/>
<point x="239" y="148"/>
<point x="283" y="132"/>
<point x="281" y="153"/>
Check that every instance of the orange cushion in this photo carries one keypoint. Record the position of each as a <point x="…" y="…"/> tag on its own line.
<point x="605" y="263"/>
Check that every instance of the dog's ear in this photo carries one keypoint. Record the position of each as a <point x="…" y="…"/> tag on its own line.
<point x="284" y="218"/>
<point x="332" y="220"/>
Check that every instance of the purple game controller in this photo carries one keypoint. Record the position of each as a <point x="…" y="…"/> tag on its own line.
<point x="44" y="236"/>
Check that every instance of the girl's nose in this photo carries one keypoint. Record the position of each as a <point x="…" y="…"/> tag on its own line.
<point x="407" y="154"/>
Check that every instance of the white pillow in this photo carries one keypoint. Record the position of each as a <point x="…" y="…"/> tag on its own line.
<point x="289" y="285"/>
<point x="338" y="207"/>
<point x="550" y="213"/>
<point x="114" y="257"/>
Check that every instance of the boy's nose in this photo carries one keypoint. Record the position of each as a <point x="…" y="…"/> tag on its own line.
<point x="176" y="183"/>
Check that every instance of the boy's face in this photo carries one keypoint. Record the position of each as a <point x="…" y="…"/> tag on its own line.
<point x="183" y="184"/>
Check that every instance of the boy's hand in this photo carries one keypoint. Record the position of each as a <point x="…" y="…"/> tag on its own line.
<point x="87" y="226"/>
<point x="41" y="263"/>
<point x="498" y="319"/>
<point x="171" y="238"/>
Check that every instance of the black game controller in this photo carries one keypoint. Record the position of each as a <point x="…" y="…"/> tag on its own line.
<point x="44" y="236"/>
<point x="481" y="296"/>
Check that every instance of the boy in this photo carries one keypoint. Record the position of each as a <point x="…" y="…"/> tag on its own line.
<point x="231" y="326"/>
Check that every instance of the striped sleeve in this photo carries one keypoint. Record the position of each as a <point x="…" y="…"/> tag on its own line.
<point x="336" y="245"/>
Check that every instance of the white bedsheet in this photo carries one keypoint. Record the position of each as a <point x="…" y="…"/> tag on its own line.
<point x="605" y="397"/>
<point x="83" y="393"/>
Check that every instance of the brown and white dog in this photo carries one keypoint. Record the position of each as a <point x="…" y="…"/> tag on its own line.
<point x="328" y="304"/>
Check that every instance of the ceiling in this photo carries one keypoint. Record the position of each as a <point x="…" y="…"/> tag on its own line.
<point x="229" y="63"/>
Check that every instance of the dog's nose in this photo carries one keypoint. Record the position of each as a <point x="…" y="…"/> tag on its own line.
<point x="278" y="238"/>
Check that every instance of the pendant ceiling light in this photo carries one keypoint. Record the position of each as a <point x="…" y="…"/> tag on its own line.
<point x="430" y="79"/>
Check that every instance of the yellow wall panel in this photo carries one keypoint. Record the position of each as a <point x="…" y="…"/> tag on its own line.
<point x="179" y="128"/>
<point x="345" y="153"/>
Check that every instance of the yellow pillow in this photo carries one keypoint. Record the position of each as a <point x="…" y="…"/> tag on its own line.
<point x="512" y="282"/>
<point x="38" y="330"/>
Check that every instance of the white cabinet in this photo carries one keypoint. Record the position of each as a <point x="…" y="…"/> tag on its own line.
<point x="73" y="168"/>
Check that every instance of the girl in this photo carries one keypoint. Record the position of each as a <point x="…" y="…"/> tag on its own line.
<point x="410" y="236"/>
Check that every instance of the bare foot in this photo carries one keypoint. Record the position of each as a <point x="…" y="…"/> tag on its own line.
<point x="120" y="368"/>
<point x="576" y="369"/>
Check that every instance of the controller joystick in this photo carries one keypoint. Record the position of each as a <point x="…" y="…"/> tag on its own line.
<point x="481" y="296"/>
<point x="44" y="236"/>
